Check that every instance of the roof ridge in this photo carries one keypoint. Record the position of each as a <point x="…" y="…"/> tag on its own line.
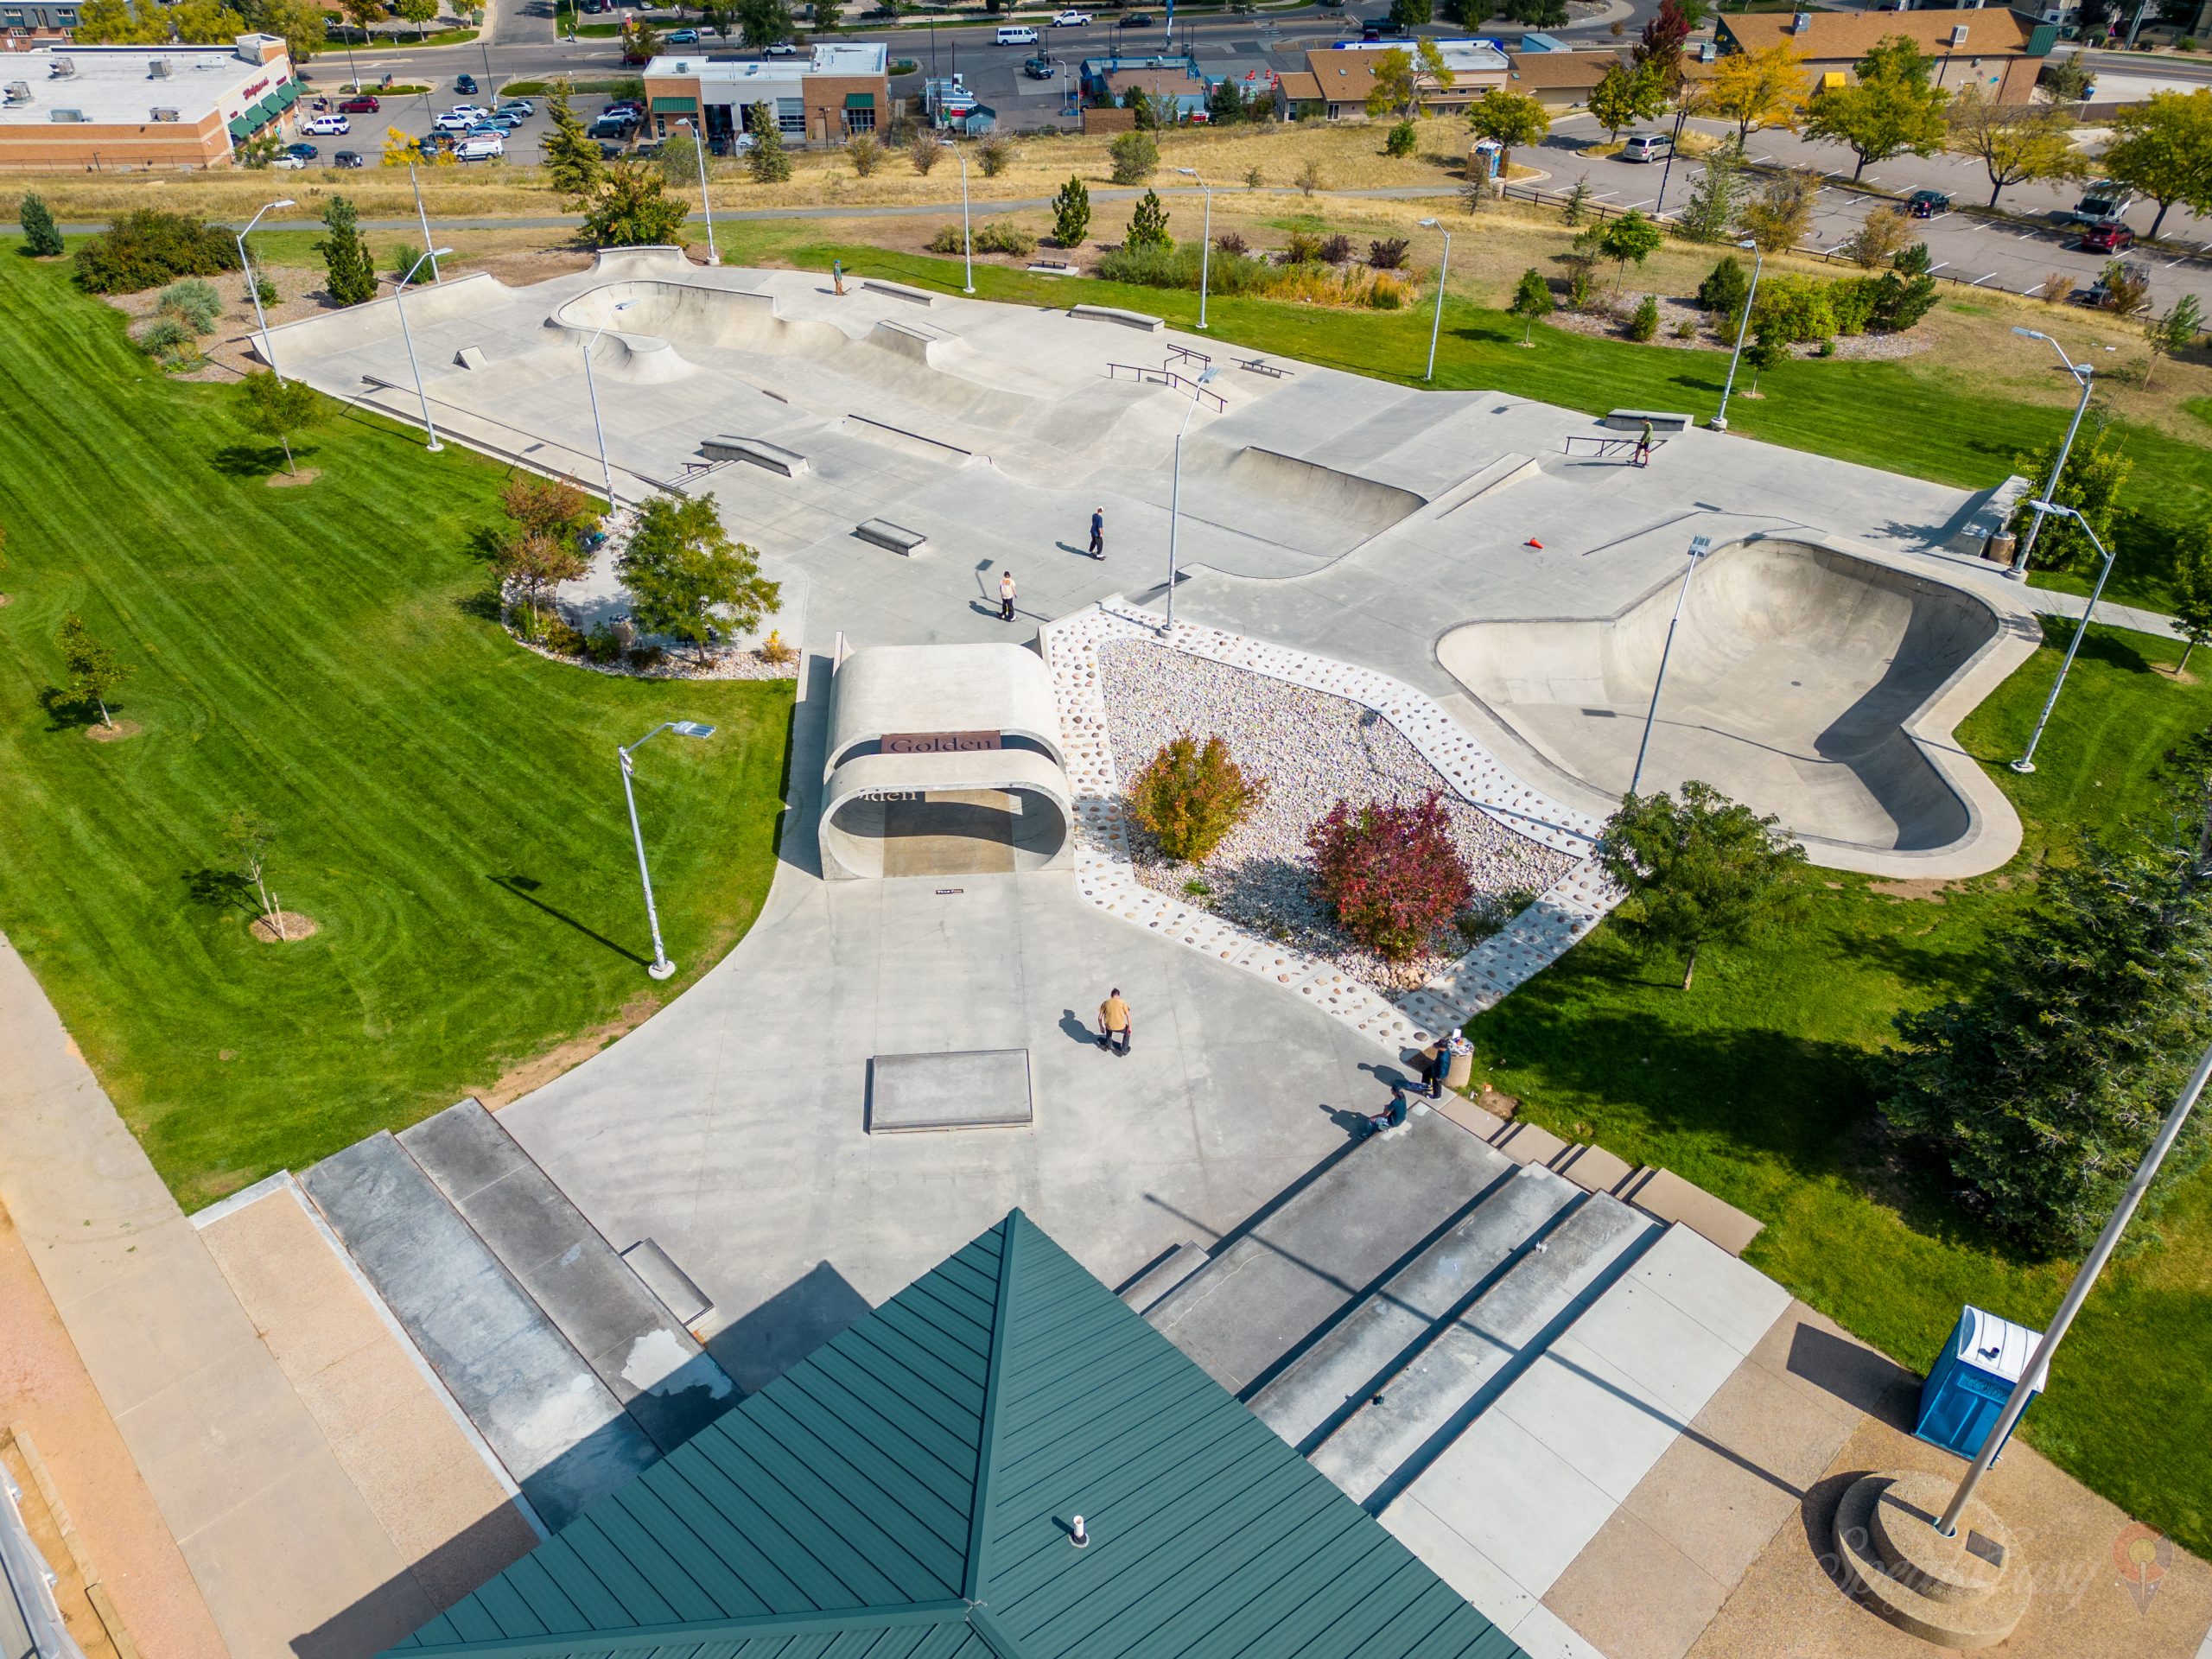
<point x="743" y="1627"/>
<point x="979" y="1507"/>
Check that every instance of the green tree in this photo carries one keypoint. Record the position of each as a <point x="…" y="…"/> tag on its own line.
<point x="1716" y="195"/>
<point x="2040" y="1093"/>
<point x="1400" y="139"/>
<point x="682" y="159"/>
<point x="687" y="579"/>
<point x="2014" y="143"/>
<point x="41" y="236"/>
<point x="419" y="13"/>
<point x="571" y="154"/>
<point x="1537" y="13"/>
<point x="1752" y="89"/>
<point x="94" y="674"/>
<point x="1072" y="214"/>
<point x="768" y="161"/>
<point x="1396" y="88"/>
<point x="1701" y="871"/>
<point x="2192" y="587"/>
<point x="2163" y="149"/>
<point x="205" y="22"/>
<point x="303" y="24"/>
<point x="1429" y="66"/>
<point x="2174" y="331"/>
<point x="1135" y="156"/>
<point x="351" y="273"/>
<point x="1532" y="298"/>
<point x="112" y="22"/>
<point x="763" y="22"/>
<point x="251" y="838"/>
<point x="720" y="16"/>
<point x="1627" y="96"/>
<point x="1631" y="236"/>
<point x="364" y="14"/>
<point x="1892" y="108"/>
<point x="1779" y="218"/>
<point x="277" y="409"/>
<point x="633" y="211"/>
<point x="1141" y="112"/>
<point x="827" y="15"/>
<point x="1190" y="797"/>
<point x="1769" y="349"/>
<point x="1508" y="120"/>
<point x="1148" y="224"/>
<point x="2096" y="472"/>
<point x="1725" y="287"/>
<point x="1411" y="14"/>
<point x="1225" y="103"/>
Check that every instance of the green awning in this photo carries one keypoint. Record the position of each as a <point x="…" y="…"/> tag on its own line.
<point x="240" y="126"/>
<point x="287" y="95"/>
<point x="676" y="106"/>
<point x="265" y="111"/>
<point x="859" y="100"/>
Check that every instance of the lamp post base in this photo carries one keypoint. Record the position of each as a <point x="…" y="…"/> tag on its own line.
<point x="1963" y="1592"/>
<point x="1719" y="423"/>
<point x="661" y="970"/>
<point x="2024" y="766"/>
<point x="2014" y="573"/>
<point x="435" y="446"/>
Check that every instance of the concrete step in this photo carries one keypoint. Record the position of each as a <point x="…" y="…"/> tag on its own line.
<point x="1472" y="1359"/>
<point x="559" y="1431"/>
<point x="1163" y="1276"/>
<point x="1267" y="1290"/>
<point x="1365" y="1348"/>
<point x="632" y="1342"/>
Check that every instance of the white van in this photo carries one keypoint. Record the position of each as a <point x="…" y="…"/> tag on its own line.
<point x="484" y="147"/>
<point x="1648" y="147"/>
<point x="1017" y="34"/>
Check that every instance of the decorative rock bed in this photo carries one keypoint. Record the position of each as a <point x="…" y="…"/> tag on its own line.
<point x="1313" y="749"/>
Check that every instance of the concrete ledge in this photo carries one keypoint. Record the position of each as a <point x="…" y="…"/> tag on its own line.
<point x="1668" y="1196"/>
<point x="770" y="457"/>
<point x="671" y="1287"/>
<point x="1593" y="1169"/>
<point x="1115" y="314"/>
<point x="1164" y="1275"/>
<point x="899" y="290"/>
<point x="981" y="1088"/>
<point x="1525" y="1143"/>
<point x="884" y="533"/>
<point x="1632" y="420"/>
<point x="1988" y="516"/>
<point x="1054" y="270"/>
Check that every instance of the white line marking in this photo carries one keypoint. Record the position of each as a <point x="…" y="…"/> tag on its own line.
<point x="1646" y="202"/>
<point x="1602" y="194"/>
<point x="2028" y="293"/>
<point x="1978" y="281"/>
<point x="1937" y="266"/>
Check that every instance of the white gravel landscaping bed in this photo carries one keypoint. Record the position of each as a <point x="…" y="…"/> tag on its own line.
<point x="1313" y="749"/>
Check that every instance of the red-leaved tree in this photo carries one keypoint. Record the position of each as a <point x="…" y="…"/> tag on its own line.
<point x="1391" y="873"/>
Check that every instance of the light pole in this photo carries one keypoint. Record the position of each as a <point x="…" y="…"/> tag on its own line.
<point x="591" y="385"/>
<point x="2076" y="1293"/>
<point x="1758" y="264"/>
<point x="1659" y="207"/>
<point x="2027" y="762"/>
<point x="662" y="967"/>
<point x="1700" y="546"/>
<point x="1443" y="271"/>
<point x="967" y="242"/>
<point x="2085" y="373"/>
<point x="699" y="142"/>
<point x="1175" y="496"/>
<point x="1205" y="245"/>
<point x="423" y="219"/>
<point x="399" y="304"/>
<point x="268" y="345"/>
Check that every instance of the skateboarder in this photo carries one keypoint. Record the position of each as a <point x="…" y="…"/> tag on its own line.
<point x="1643" y="446"/>
<point x="1385" y="1120"/>
<point x="1098" y="532"/>
<point x="1115" y="1026"/>
<point x="1006" y="596"/>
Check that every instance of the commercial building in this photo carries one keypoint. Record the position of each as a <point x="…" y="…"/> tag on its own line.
<point x="840" y="90"/>
<point x="23" y="23"/>
<point x="1558" y="81"/>
<point x="1337" y="82"/>
<point x="105" y="107"/>
<point x="2000" y="51"/>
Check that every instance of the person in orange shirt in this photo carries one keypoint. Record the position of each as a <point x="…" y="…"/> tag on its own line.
<point x="1115" y="1026"/>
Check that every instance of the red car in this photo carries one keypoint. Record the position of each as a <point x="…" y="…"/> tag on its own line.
<point x="362" y="106"/>
<point x="2107" y="236"/>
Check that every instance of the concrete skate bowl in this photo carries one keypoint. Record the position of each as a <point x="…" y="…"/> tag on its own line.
<point x="1279" y="498"/>
<point x="1805" y="681"/>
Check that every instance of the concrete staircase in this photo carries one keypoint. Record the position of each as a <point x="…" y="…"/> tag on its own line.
<point x="568" y="1366"/>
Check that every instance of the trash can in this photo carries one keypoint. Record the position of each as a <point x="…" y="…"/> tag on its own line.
<point x="1997" y="549"/>
<point x="1966" y="1390"/>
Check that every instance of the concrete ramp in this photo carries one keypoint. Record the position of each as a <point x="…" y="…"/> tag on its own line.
<point x="1362" y="505"/>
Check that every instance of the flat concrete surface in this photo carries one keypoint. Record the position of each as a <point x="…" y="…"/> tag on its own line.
<point x="986" y="1089"/>
<point x="283" y="1546"/>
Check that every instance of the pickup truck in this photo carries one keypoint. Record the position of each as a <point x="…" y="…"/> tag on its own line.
<point x="1071" y="19"/>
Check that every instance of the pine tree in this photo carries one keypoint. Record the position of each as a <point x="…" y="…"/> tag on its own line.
<point x="770" y="162"/>
<point x="41" y="236"/>
<point x="1148" y="224"/>
<point x="351" y="272"/>
<point x="1072" y="214"/>
<point x="572" y="158"/>
<point x="1711" y="210"/>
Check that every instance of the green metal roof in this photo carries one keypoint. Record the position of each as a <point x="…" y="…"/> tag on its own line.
<point x="673" y="106"/>
<point x="904" y="1493"/>
<point x="859" y="100"/>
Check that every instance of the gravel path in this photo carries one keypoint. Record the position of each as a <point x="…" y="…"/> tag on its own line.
<point x="1313" y="749"/>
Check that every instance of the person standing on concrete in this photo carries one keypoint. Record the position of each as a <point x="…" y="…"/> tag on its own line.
<point x="1006" y="595"/>
<point x="1115" y="1026"/>
<point x="1098" y="532"/>
<point x="1643" y="446"/>
<point x="1436" y="1068"/>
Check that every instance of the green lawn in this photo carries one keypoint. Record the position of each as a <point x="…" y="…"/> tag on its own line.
<point x="1890" y="415"/>
<point x="1753" y="1085"/>
<point x="448" y="805"/>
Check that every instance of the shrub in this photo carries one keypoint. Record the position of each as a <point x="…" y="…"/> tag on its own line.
<point x="603" y="645"/>
<point x="1303" y="249"/>
<point x="1401" y="141"/>
<point x="1232" y="242"/>
<point x="948" y="239"/>
<point x="1148" y="224"/>
<point x="1309" y="178"/>
<point x="41" y="236"/>
<point x="1390" y="873"/>
<point x="1190" y="798"/>
<point x="775" y="649"/>
<point x="1882" y="235"/>
<point x="1724" y="287"/>
<point x="149" y="248"/>
<point x="1136" y="157"/>
<point x="1643" y="321"/>
<point x="1796" y="308"/>
<point x="195" y="303"/>
<point x="264" y="290"/>
<point x="1686" y="329"/>
<point x="166" y="339"/>
<point x="927" y="150"/>
<point x="1254" y="179"/>
<point x="1335" y="249"/>
<point x="1388" y="253"/>
<point x="864" y="151"/>
<point x="1072" y="214"/>
<point x="1003" y="236"/>
<point x="994" y="154"/>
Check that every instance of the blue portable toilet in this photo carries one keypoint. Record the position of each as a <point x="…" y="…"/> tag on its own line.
<point x="1966" y="1391"/>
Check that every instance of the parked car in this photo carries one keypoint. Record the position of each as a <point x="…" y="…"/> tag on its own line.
<point x="1928" y="204"/>
<point x="613" y="126"/>
<point x="1137" y="20"/>
<point x="465" y="84"/>
<point x="326" y="125"/>
<point x="455" y="121"/>
<point x="522" y="106"/>
<point x="1646" y="147"/>
<point x="594" y="7"/>
<point x="780" y="49"/>
<point x="681" y="37"/>
<point x="2105" y="236"/>
<point x="2096" y="293"/>
<point x="1071" y="19"/>
<point x="610" y="152"/>
<point x="481" y="148"/>
<point x="2101" y="201"/>
<point x="650" y="151"/>
<point x="1037" y="68"/>
<point x="347" y="158"/>
<point x="364" y="105"/>
<point x="303" y="152"/>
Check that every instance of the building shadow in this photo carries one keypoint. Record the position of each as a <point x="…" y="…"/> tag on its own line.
<point x="1855" y="1374"/>
<point x="756" y="1350"/>
<point x="388" y="1614"/>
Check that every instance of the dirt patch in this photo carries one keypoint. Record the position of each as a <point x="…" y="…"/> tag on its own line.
<point x="290" y="480"/>
<point x="541" y="1069"/>
<point x="295" y="927"/>
<point x="525" y="266"/>
<point x="1609" y="320"/>
<point x="115" y="734"/>
<point x="1926" y="887"/>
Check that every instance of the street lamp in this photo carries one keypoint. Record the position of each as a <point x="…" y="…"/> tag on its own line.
<point x="1758" y="264"/>
<point x="399" y="304"/>
<point x="1206" y="244"/>
<point x="1444" y="271"/>
<point x="699" y="141"/>
<point x="1700" y="546"/>
<point x="268" y="345"/>
<point x="2027" y="762"/>
<point x="422" y="218"/>
<point x="1175" y="495"/>
<point x="2085" y="373"/>
<point x="967" y="242"/>
<point x="591" y="385"/>
<point x="662" y="967"/>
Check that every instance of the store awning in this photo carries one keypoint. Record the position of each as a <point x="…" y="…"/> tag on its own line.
<point x="859" y="100"/>
<point x="240" y="125"/>
<point x="287" y="95"/>
<point x="266" y="111"/>
<point x="676" y="106"/>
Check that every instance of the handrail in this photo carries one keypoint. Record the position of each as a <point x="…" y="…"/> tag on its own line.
<point x="1177" y="352"/>
<point x="1169" y="377"/>
<point x="1605" y="445"/>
